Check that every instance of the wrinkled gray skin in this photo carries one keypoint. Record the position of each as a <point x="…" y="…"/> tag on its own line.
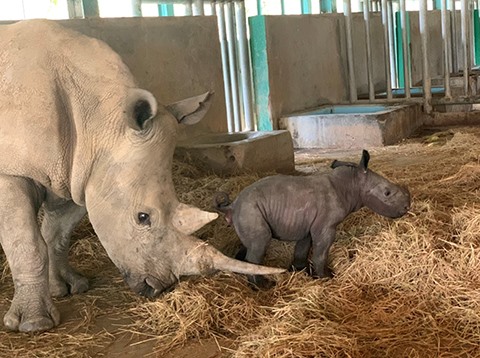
<point x="307" y="210"/>
<point x="77" y="136"/>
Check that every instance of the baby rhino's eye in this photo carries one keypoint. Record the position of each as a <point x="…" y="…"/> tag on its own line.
<point x="144" y="219"/>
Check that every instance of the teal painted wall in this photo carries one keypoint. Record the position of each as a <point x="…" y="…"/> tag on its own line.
<point x="261" y="84"/>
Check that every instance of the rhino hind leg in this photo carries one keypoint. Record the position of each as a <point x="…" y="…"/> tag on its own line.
<point x="32" y="308"/>
<point x="255" y="243"/>
<point x="60" y="219"/>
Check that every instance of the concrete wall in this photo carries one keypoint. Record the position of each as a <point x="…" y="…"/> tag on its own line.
<point x="173" y="57"/>
<point x="306" y="62"/>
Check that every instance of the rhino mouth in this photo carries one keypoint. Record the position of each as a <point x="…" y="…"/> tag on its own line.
<point x="148" y="286"/>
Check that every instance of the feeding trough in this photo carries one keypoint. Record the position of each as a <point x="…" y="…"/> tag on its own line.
<point x="233" y="153"/>
<point x="352" y="126"/>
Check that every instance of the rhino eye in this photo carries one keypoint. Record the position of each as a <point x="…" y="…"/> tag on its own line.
<point x="387" y="192"/>
<point x="144" y="219"/>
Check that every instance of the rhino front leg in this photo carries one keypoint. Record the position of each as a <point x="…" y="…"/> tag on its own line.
<point x="60" y="219"/>
<point x="321" y="242"/>
<point x="300" y="256"/>
<point x="32" y="308"/>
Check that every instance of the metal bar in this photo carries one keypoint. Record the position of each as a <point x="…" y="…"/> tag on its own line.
<point x="454" y="36"/>
<point x="366" y="15"/>
<point x="259" y="7"/>
<point x="327" y="6"/>
<point x="166" y="10"/>
<point x="306" y="6"/>
<point x="212" y="7"/>
<point x="232" y="56"/>
<point x="347" y="10"/>
<point x="244" y="63"/>
<point x="75" y="9"/>
<point x="282" y="5"/>
<point x="90" y="8"/>
<point x="406" y="65"/>
<point x="427" y="80"/>
<point x="386" y="48"/>
<point x="188" y="8"/>
<point x="197" y="8"/>
<point x="465" y="45"/>
<point x="391" y="38"/>
<point x="136" y="8"/>
<point x="446" y="48"/>
<point x="225" y="64"/>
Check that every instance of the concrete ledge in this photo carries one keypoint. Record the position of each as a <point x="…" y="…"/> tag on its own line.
<point x="234" y="153"/>
<point x="355" y="126"/>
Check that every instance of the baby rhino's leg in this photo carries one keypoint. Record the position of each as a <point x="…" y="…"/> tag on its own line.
<point x="322" y="239"/>
<point x="255" y="236"/>
<point x="300" y="256"/>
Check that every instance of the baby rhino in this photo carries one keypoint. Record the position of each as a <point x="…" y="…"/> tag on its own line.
<point x="307" y="210"/>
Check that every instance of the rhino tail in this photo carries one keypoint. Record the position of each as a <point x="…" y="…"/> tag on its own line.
<point x="222" y="204"/>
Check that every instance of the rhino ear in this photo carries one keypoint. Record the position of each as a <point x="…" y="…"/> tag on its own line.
<point x="191" y="110"/>
<point x="141" y="108"/>
<point x="364" y="161"/>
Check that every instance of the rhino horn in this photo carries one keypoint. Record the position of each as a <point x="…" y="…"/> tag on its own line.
<point x="204" y="259"/>
<point x="188" y="219"/>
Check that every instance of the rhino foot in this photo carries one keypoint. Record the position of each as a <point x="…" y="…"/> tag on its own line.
<point x="260" y="282"/>
<point x="31" y="310"/>
<point x="68" y="282"/>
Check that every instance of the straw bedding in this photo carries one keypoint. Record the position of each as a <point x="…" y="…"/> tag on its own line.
<point x="402" y="288"/>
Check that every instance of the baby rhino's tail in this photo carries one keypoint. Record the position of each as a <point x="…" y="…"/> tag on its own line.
<point x="221" y="203"/>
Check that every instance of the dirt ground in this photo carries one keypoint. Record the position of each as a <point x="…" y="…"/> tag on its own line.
<point x="111" y="321"/>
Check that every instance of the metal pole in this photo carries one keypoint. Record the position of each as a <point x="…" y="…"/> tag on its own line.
<point x="75" y="10"/>
<point x="306" y="6"/>
<point x="230" y="30"/>
<point x="386" y="48"/>
<point x="90" y="8"/>
<point x="225" y="64"/>
<point x="197" y="8"/>
<point x="454" y="37"/>
<point x="465" y="45"/>
<point x="212" y="7"/>
<point x="137" y="8"/>
<point x="244" y="63"/>
<point x="427" y="81"/>
<point x="188" y="8"/>
<point x="391" y="38"/>
<point x="347" y="10"/>
<point x="446" y="49"/>
<point x="366" y="15"/>
<point x="406" y="67"/>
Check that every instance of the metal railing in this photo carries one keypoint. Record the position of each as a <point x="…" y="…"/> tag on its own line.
<point x="457" y="58"/>
<point x="232" y="28"/>
<point x="398" y="87"/>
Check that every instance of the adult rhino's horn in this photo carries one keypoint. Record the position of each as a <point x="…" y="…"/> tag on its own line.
<point x="203" y="259"/>
<point x="188" y="219"/>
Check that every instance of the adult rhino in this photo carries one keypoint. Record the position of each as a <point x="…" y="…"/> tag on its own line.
<point x="77" y="136"/>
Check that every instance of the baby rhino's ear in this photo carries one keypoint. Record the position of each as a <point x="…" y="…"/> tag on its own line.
<point x="191" y="110"/>
<point x="364" y="161"/>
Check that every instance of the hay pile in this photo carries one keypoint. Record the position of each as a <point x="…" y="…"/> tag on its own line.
<point x="403" y="288"/>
